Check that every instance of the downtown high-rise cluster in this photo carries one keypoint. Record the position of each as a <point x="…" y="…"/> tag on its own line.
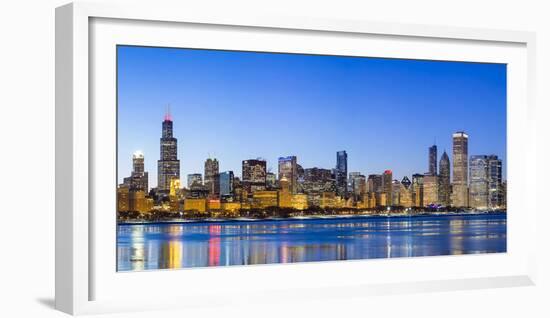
<point x="476" y="183"/>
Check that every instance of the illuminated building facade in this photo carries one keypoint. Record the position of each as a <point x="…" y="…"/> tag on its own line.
<point x="288" y="168"/>
<point x="299" y="201"/>
<point x="430" y="190"/>
<point x="139" y="178"/>
<point x="387" y="179"/>
<point x="123" y="198"/>
<point x="445" y="180"/>
<point x="271" y="180"/>
<point x="227" y="184"/>
<point x="137" y="201"/>
<point x="459" y="197"/>
<point x="254" y="175"/>
<point x="285" y="194"/>
<point x="191" y="204"/>
<point x="405" y="195"/>
<point x="357" y="184"/>
<point x="496" y="188"/>
<point x="341" y="173"/>
<point x="479" y="182"/>
<point x="417" y="189"/>
<point x="194" y="179"/>
<point x="265" y="198"/>
<point x="212" y="176"/>
<point x="168" y="165"/>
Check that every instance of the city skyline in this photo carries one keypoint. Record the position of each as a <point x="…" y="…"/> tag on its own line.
<point x="365" y="154"/>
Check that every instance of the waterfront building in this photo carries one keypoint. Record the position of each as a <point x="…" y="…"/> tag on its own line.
<point x="191" y="204"/>
<point x="212" y="176"/>
<point x="285" y="194"/>
<point x="406" y="182"/>
<point x="139" y="178"/>
<point x="317" y="180"/>
<point x="396" y="193"/>
<point x="357" y="184"/>
<point x="197" y="191"/>
<point x="271" y="180"/>
<point x="301" y="178"/>
<point x="417" y="189"/>
<point x="168" y="165"/>
<point x="496" y="192"/>
<point x="459" y="197"/>
<point x="254" y="175"/>
<point x="405" y="195"/>
<point x="479" y="182"/>
<point x="288" y="168"/>
<point x="341" y="173"/>
<point x="299" y="201"/>
<point x="194" y="179"/>
<point x="504" y="194"/>
<point x="174" y="194"/>
<point x="374" y="183"/>
<point x="384" y="199"/>
<point x="213" y="205"/>
<point x="264" y="198"/>
<point x="123" y="198"/>
<point x="432" y="157"/>
<point x="328" y="200"/>
<point x="430" y="190"/>
<point x="372" y="203"/>
<point x="387" y="179"/>
<point x="137" y="201"/>
<point x="226" y="184"/>
<point x="445" y="180"/>
<point x="232" y="207"/>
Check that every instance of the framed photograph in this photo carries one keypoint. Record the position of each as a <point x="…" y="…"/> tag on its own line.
<point x="274" y="155"/>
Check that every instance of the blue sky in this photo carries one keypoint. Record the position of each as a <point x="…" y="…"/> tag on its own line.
<point x="239" y="105"/>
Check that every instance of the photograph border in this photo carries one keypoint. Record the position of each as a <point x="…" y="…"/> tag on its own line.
<point x="73" y="167"/>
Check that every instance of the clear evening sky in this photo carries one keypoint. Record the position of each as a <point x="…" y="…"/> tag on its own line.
<point x="240" y="105"/>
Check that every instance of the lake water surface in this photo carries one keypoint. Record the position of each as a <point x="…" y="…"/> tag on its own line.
<point x="162" y="246"/>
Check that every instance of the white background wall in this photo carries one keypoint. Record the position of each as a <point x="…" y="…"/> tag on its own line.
<point x="27" y="158"/>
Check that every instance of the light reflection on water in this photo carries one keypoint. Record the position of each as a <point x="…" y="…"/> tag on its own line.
<point x="161" y="246"/>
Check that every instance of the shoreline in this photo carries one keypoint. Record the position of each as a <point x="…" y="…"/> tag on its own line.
<point x="306" y="218"/>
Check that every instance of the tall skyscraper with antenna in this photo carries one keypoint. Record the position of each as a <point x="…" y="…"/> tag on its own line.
<point x="168" y="165"/>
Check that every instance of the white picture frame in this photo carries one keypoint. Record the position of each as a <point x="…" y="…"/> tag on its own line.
<point x="86" y="278"/>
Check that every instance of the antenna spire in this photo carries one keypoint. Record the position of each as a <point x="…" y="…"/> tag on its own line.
<point x="168" y="113"/>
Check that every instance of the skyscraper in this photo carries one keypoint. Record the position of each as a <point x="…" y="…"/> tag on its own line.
<point x="212" y="176"/>
<point x="226" y="184"/>
<point x="430" y="190"/>
<point x="417" y="189"/>
<point x="271" y="180"/>
<point x="406" y="182"/>
<point x="432" y="157"/>
<point x="496" y="188"/>
<point x="288" y="168"/>
<point x="254" y="175"/>
<point x="459" y="196"/>
<point x="168" y="165"/>
<point x="387" y="178"/>
<point x="445" y="180"/>
<point x="357" y="184"/>
<point x="341" y="173"/>
<point x="194" y="179"/>
<point x="139" y="178"/>
<point x="374" y="183"/>
<point x="479" y="182"/>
